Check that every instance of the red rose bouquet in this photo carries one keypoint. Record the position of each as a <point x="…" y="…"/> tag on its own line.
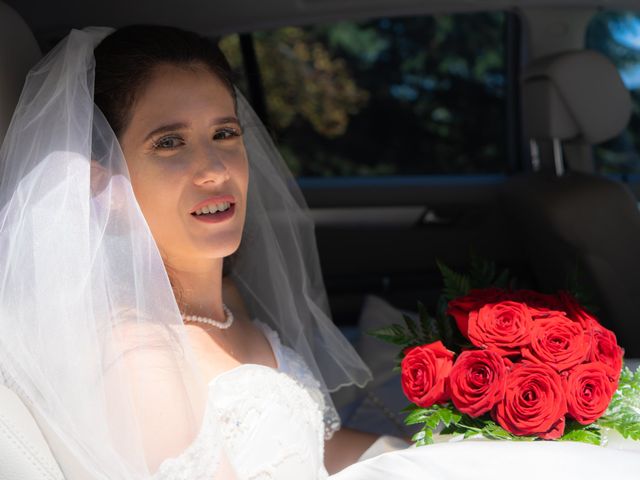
<point x="519" y="365"/>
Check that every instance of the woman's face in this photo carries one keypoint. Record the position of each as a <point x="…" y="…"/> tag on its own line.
<point x="185" y="155"/>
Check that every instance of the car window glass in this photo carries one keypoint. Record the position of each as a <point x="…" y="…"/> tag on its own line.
<point x="392" y="96"/>
<point x="617" y="36"/>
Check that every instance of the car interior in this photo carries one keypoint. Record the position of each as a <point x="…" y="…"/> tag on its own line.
<point x="419" y="131"/>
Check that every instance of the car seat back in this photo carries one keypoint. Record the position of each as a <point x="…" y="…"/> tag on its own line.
<point x="572" y="222"/>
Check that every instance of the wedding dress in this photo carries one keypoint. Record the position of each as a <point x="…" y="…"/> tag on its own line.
<point x="269" y="423"/>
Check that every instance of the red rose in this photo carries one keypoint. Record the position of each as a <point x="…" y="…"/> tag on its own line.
<point x="574" y="310"/>
<point x="477" y="381"/>
<point x="424" y="372"/>
<point x="504" y="326"/>
<point x="534" y="402"/>
<point x="589" y="390"/>
<point x="605" y="348"/>
<point x="540" y="304"/>
<point x="460" y="308"/>
<point x="558" y="342"/>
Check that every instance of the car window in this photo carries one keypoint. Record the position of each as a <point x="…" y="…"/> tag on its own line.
<point x="617" y="35"/>
<point x="386" y="97"/>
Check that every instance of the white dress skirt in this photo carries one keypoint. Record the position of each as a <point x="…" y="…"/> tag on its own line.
<point x="501" y="460"/>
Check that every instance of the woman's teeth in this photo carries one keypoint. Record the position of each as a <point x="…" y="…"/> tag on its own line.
<point x="213" y="208"/>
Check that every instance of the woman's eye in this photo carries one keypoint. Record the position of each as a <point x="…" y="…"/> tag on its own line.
<point x="226" y="133"/>
<point x="167" y="143"/>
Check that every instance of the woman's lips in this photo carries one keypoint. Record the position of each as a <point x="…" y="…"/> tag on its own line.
<point x="216" y="217"/>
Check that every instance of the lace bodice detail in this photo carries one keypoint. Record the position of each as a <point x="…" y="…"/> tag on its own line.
<point x="292" y="364"/>
<point x="269" y="423"/>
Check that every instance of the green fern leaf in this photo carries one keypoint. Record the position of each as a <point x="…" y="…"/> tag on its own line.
<point x="428" y="326"/>
<point x="411" y="325"/>
<point x="495" y="432"/>
<point x="503" y="280"/>
<point x="421" y="415"/>
<point x="395" y="334"/>
<point x="455" y="284"/>
<point x="423" y="437"/>
<point x="623" y="413"/>
<point x="445" y="327"/>
<point x="575" y="432"/>
<point x="482" y="272"/>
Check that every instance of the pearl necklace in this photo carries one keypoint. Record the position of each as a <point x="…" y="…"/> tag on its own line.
<point x="210" y="321"/>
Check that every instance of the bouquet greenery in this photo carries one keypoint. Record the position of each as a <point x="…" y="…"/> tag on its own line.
<point x="512" y="364"/>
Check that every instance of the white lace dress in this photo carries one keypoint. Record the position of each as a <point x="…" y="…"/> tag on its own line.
<point x="269" y="423"/>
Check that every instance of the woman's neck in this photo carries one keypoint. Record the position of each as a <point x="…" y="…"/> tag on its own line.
<point x="198" y="286"/>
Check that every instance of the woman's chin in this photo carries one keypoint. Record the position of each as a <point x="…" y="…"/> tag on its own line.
<point x="218" y="247"/>
<point x="212" y="247"/>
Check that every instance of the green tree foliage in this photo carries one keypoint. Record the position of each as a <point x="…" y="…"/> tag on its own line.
<point x="387" y="96"/>
<point x="303" y="79"/>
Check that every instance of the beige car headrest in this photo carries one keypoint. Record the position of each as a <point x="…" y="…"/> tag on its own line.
<point x="576" y="94"/>
<point x="19" y="52"/>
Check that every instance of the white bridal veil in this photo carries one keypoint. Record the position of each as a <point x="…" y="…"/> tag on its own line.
<point x="90" y="334"/>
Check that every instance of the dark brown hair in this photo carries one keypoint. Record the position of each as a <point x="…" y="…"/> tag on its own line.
<point x="125" y="61"/>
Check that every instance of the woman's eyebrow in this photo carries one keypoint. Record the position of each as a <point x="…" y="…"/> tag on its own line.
<point x="219" y="121"/>
<point x="165" y="129"/>
<point x="182" y="126"/>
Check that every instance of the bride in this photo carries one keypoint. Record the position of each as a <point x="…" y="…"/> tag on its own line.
<point x="168" y="96"/>
<point x="163" y="312"/>
<point x="163" y="307"/>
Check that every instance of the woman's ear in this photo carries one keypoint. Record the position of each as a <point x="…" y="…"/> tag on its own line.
<point x="99" y="178"/>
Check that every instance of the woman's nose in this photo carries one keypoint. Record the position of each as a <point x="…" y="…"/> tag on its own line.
<point x="212" y="169"/>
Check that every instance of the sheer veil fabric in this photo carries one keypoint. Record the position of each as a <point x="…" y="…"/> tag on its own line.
<point x="90" y="333"/>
